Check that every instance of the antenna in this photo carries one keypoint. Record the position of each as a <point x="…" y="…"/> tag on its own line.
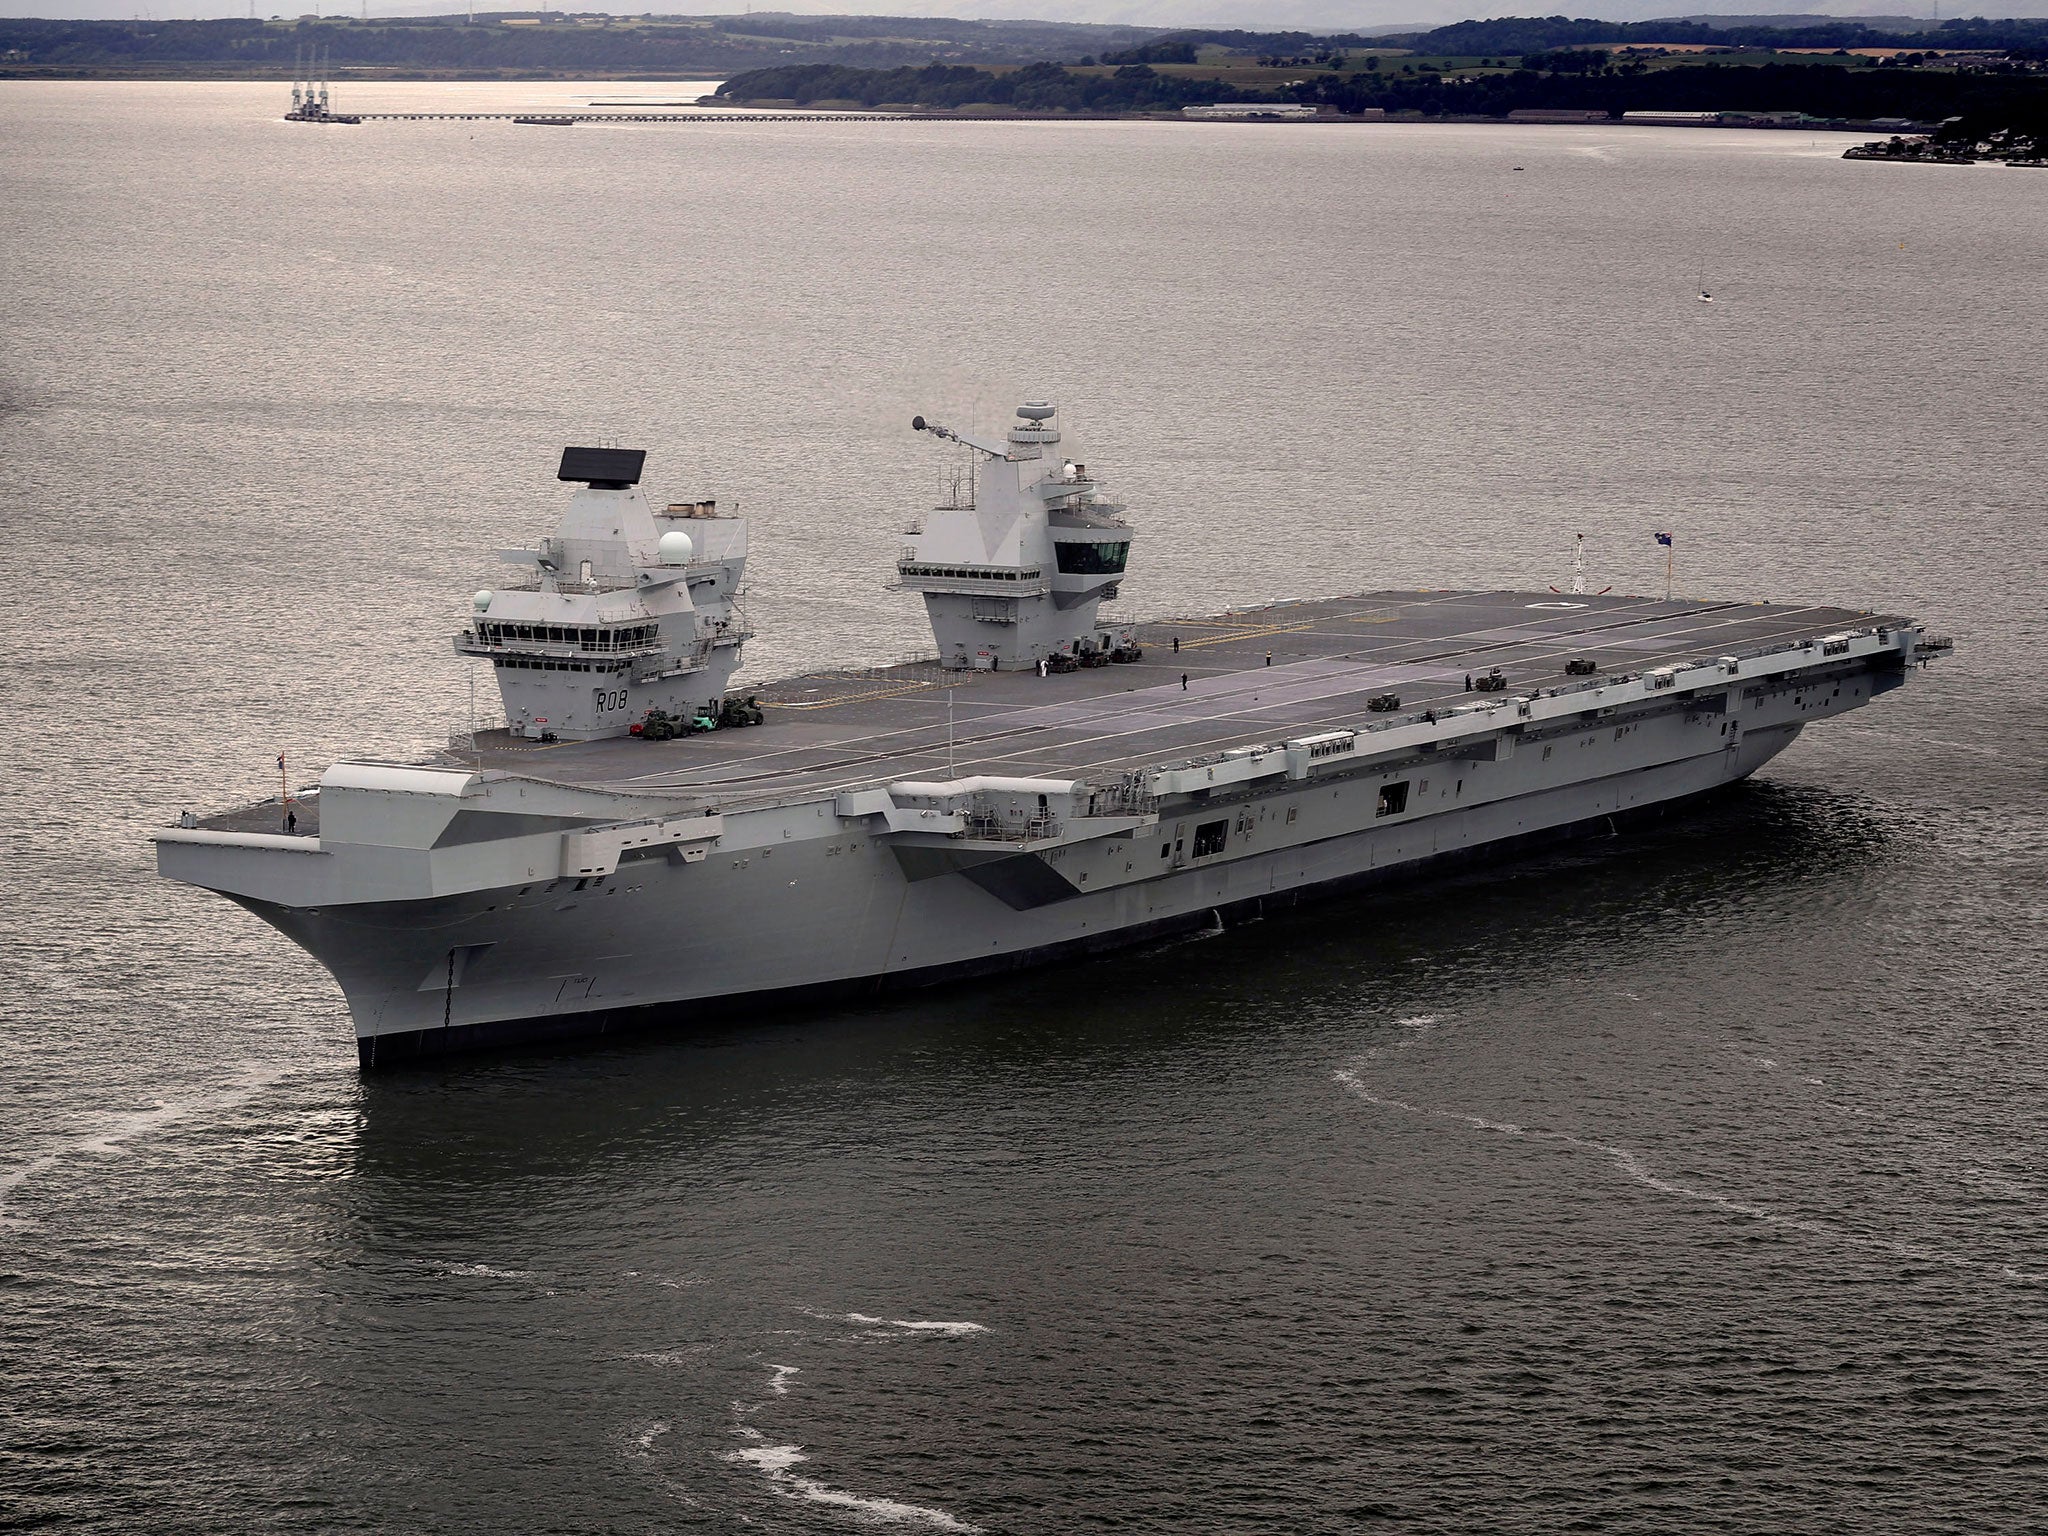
<point x="1579" y="570"/>
<point x="919" y="424"/>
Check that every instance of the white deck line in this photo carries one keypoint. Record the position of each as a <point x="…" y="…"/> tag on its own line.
<point x="1293" y="726"/>
<point x="1022" y="713"/>
<point x="1016" y="717"/>
<point x="1237" y="720"/>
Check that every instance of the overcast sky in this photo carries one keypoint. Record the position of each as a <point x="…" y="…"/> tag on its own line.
<point x="1315" y="15"/>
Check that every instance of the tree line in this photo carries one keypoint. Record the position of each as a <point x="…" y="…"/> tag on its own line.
<point x="1042" y="87"/>
<point x="447" y="44"/>
<point x="1515" y="36"/>
<point x="1535" y="34"/>
<point x="1819" y="89"/>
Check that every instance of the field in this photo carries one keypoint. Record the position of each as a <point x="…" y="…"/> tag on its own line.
<point x="1248" y="73"/>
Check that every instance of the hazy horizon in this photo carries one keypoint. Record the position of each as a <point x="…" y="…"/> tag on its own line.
<point x="1255" y="15"/>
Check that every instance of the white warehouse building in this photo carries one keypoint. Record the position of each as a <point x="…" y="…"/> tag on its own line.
<point x="1251" y="109"/>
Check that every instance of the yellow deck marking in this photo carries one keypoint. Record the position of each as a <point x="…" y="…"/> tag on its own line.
<point x="854" y="698"/>
<point x="1247" y="634"/>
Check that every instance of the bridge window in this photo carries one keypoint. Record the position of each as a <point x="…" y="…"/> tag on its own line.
<point x="1104" y="559"/>
<point x="968" y="573"/>
<point x="625" y="637"/>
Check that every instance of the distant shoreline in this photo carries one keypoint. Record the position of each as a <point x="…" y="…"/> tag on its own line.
<point x="198" y="75"/>
<point x="941" y="114"/>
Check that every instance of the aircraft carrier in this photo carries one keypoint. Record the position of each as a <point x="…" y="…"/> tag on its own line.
<point x="643" y="844"/>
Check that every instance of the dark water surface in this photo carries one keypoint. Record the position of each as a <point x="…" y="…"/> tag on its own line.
<point x="1692" y="1181"/>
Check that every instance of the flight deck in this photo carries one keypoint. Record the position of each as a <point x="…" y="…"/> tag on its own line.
<point x="1252" y="675"/>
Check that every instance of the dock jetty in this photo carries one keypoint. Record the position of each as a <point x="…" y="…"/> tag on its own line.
<point x="312" y="102"/>
<point x="563" y="119"/>
<point x="321" y="114"/>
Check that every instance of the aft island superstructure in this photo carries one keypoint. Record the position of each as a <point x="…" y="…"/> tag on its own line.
<point x="1054" y="782"/>
<point x="1017" y="560"/>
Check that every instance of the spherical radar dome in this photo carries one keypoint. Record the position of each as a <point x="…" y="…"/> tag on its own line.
<point x="481" y="602"/>
<point x="1035" y="410"/>
<point x="676" y="548"/>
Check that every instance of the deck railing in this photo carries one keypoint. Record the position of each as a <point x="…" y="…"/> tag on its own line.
<point x="1443" y="715"/>
<point x="998" y="829"/>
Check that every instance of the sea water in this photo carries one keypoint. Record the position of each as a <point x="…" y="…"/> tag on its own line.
<point x="1691" y="1180"/>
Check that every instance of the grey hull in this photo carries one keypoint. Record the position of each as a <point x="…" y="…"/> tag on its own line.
<point x="556" y="895"/>
<point x="840" y="916"/>
<point x="400" y="1049"/>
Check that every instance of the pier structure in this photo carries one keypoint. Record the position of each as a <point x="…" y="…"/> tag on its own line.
<point x="562" y="119"/>
<point x="311" y="103"/>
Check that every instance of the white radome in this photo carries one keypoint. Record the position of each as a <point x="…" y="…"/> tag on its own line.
<point x="675" y="547"/>
<point x="481" y="602"/>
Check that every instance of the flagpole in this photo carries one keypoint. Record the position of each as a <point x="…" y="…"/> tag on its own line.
<point x="283" y="794"/>
<point x="1670" y="553"/>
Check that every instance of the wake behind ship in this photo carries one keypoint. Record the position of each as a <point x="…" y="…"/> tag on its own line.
<point x="642" y="845"/>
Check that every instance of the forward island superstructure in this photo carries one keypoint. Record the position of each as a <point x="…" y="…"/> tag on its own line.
<point x="1052" y="784"/>
<point x="624" y="609"/>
